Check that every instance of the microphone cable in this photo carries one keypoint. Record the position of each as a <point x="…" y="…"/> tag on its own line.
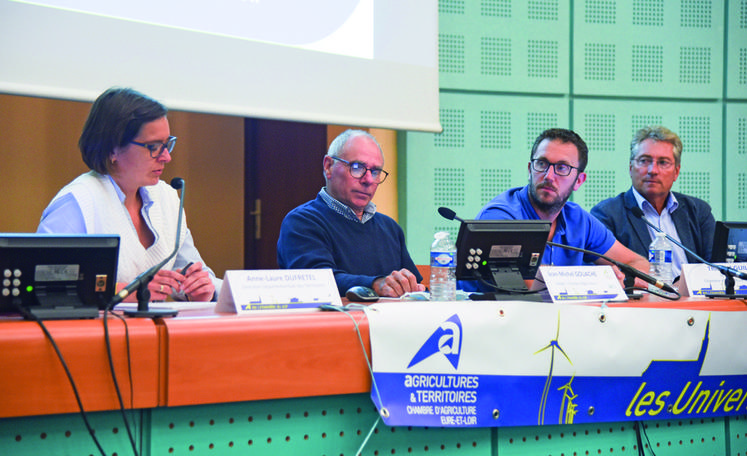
<point x="110" y="358"/>
<point x="449" y="214"/>
<point x="625" y="269"/>
<point x="57" y="350"/>
<point x="640" y="429"/>
<point x="374" y="387"/>
<point x="728" y="273"/>
<point x="177" y="183"/>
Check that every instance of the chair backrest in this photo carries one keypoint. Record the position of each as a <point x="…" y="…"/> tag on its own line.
<point x="425" y="271"/>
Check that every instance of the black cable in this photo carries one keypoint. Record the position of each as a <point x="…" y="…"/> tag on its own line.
<point x="637" y="427"/>
<point x="69" y="376"/>
<point x="653" y="292"/>
<point x="129" y="358"/>
<point x="114" y="376"/>
<point x="645" y="434"/>
<point x="374" y="388"/>
<point x="640" y="429"/>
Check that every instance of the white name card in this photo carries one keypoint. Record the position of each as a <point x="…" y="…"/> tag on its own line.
<point x="700" y="279"/>
<point x="582" y="283"/>
<point x="276" y="289"/>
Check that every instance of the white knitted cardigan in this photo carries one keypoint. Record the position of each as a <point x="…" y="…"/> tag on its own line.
<point x="104" y="213"/>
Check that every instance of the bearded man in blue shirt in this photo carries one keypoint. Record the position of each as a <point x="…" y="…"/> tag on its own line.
<point x="556" y="169"/>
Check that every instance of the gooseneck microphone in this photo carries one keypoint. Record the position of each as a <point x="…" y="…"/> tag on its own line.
<point x="728" y="272"/>
<point x="449" y="214"/>
<point x="625" y="268"/>
<point x="140" y="283"/>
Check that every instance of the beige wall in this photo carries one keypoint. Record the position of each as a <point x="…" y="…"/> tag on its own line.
<point x="39" y="155"/>
<point x="386" y="194"/>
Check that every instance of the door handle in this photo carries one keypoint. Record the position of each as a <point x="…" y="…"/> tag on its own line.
<point x="257" y="213"/>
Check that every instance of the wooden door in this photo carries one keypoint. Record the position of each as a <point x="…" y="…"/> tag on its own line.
<point x="283" y="170"/>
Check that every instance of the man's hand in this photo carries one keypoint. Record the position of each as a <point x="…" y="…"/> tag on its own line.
<point x="397" y="283"/>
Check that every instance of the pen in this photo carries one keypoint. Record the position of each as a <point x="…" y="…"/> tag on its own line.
<point x="184" y="269"/>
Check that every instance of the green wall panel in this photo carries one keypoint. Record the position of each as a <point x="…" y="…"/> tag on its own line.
<point x="665" y="438"/>
<point x="504" y="46"/>
<point x="330" y="425"/>
<point x="736" y="50"/>
<point x="52" y="435"/>
<point x="735" y="159"/>
<point x="607" y="126"/>
<point x="620" y="64"/>
<point x="482" y="151"/>
<point x="339" y="426"/>
<point x="651" y="48"/>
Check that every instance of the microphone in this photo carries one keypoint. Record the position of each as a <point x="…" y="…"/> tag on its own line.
<point x="144" y="278"/>
<point x="727" y="271"/>
<point x="449" y="214"/>
<point x="626" y="269"/>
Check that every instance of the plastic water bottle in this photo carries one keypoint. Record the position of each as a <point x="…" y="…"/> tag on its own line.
<point x="660" y="258"/>
<point x="443" y="268"/>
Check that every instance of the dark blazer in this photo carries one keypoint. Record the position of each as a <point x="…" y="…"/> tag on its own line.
<point x="692" y="218"/>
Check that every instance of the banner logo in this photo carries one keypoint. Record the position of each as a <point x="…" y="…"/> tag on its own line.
<point x="447" y="339"/>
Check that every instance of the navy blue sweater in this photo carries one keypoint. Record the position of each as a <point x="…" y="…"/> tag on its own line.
<point x="314" y="236"/>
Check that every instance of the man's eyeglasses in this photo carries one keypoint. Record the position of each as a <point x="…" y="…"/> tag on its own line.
<point x="157" y="148"/>
<point x="561" y="169"/>
<point x="645" y="162"/>
<point x="358" y="170"/>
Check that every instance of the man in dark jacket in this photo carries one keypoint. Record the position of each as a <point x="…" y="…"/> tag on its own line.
<point x="655" y="154"/>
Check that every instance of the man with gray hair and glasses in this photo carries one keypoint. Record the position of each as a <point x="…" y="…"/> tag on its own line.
<point x="340" y="229"/>
<point x="655" y="158"/>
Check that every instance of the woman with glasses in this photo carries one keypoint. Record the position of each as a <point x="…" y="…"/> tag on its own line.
<point x="126" y="143"/>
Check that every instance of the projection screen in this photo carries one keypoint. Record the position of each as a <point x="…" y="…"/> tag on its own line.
<point x="370" y="63"/>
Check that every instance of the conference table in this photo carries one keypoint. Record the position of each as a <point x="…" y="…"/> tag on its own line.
<point x="282" y="382"/>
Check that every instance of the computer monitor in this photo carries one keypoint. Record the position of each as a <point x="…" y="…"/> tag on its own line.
<point x="502" y="252"/>
<point x="730" y="242"/>
<point x="57" y="276"/>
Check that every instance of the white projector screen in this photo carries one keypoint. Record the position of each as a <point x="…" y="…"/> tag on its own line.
<point x="369" y="63"/>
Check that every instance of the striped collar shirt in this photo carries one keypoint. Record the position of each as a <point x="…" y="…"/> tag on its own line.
<point x="368" y="212"/>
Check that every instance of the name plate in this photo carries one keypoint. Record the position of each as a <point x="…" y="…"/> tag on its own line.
<point x="277" y="289"/>
<point x="582" y="283"/>
<point x="701" y="279"/>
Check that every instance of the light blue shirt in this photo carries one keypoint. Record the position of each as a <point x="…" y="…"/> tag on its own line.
<point x="666" y="224"/>
<point x="64" y="216"/>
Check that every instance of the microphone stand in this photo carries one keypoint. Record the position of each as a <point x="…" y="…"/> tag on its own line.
<point x="630" y="272"/>
<point x="728" y="273"/>
<point x="141" y="282"/>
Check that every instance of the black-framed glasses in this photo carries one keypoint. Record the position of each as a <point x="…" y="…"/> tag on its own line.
<point x="561" y="169"/>
<point x="646" y="162"/>
<point x="157" y="148"/>
<point x="358" y="170"/>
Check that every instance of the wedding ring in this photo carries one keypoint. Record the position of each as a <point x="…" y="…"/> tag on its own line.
<point x="161" y="290"/>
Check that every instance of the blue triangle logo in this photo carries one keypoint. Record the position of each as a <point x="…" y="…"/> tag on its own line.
<point x="446" y="339"/>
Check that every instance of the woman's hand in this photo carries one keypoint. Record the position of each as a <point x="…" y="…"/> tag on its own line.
<point x="195" y="283"/>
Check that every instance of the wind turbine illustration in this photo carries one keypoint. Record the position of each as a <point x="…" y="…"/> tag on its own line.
<point x="553" y="345"/>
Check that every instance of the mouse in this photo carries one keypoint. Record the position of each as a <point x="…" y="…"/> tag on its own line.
<point x="360" y="293"/>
